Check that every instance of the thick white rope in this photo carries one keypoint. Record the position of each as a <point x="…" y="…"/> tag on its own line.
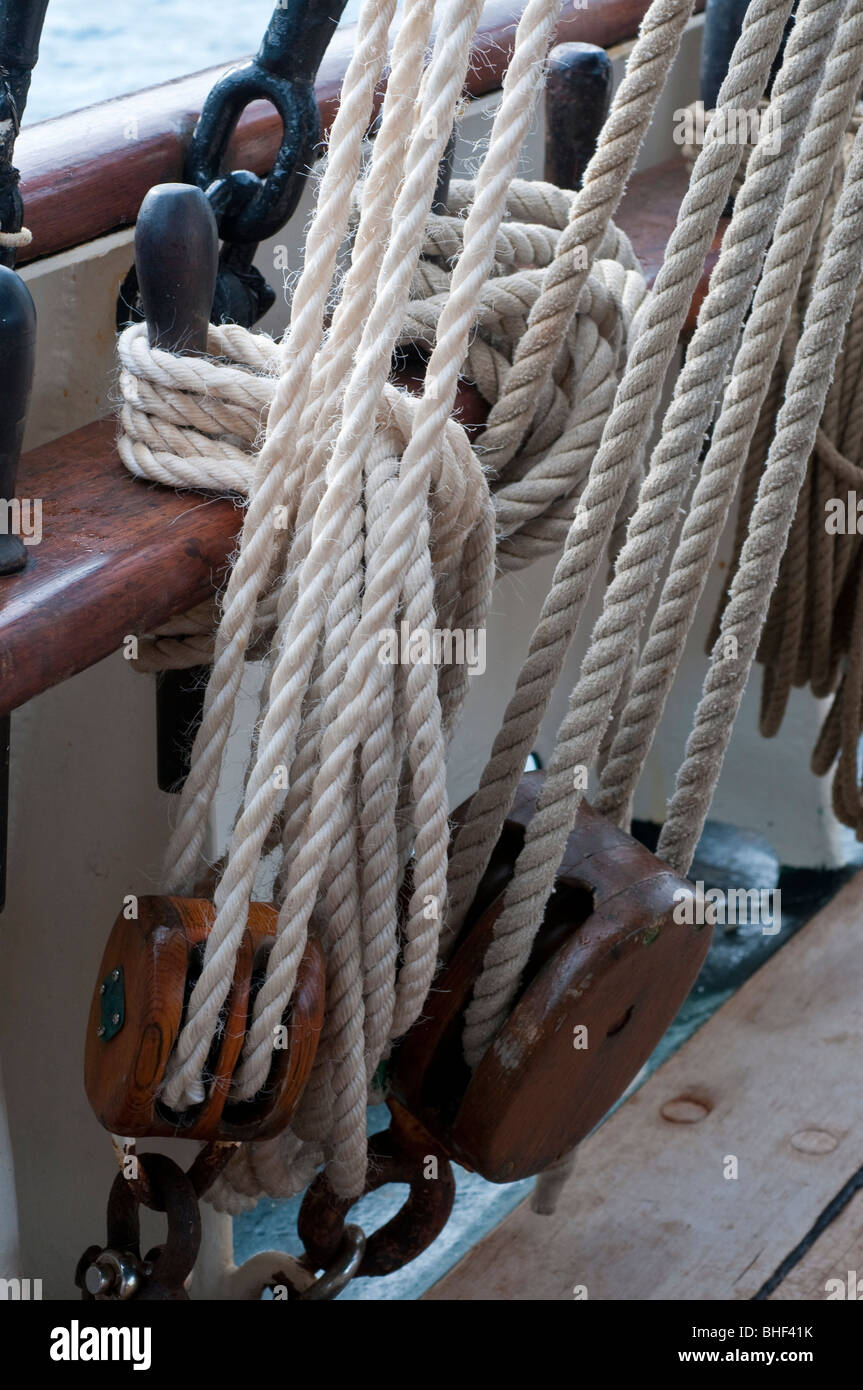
<point x="408" y="536"/>
<point x="16" y="240"/>
<point x="741" y="404"/>
<point x="387" y="515"/>
<point x="596" y="352"/>
<point x="797" y="424"/>
<point x="604" y="181"/>
<point x="278" y="471"/>
<point x="348" y="1026"/>
<point x="340" y="734"/>
<point x="654" y="521"/>
<point x="324" y="853"/>
<point x="625" y="434"/>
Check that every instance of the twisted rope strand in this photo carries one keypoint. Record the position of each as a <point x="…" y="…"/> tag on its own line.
<point x="624" y="437"/>
<point x="752" y="372"/>
<point x="797" y="424"/>
<point x="276" y="464"/>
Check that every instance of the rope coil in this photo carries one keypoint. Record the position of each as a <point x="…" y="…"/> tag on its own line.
<point x="389" y="519"/>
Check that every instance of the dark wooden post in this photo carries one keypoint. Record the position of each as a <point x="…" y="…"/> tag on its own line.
<point x="578" y="95"/>
<point x="20" y="31"/>
<point x="723" y="21"/>
<point x="177" y="257"/>
<point x="17" y="363"/>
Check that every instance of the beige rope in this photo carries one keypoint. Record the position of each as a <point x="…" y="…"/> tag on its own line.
<point x="322" y="855"/>
<point x="625" y="435"/>
<point x="696" y="115"/>
<point x="603" y="185"/>
<point x="797" y="425"/>
<point x="15" y="240"/>
<point x="387" y="513"/>
<point x="812" y="172"/>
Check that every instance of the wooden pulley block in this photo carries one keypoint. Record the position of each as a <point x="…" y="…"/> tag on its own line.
<point x="609" y="969"/>
<point x="147" y="975"/>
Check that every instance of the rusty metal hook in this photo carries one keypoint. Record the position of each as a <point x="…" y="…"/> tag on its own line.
<point x="399" y="1154"/>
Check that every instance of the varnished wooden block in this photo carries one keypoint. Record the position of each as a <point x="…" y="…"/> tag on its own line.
<point x="609" y="970"/>
<point x="146" y="977"/>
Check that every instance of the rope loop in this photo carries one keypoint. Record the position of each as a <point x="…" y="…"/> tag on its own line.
<point x="374" y="522"/>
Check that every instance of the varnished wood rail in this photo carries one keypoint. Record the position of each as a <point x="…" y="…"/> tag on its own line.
<point x="119" y="556"/>
<point x="87" y="173"/>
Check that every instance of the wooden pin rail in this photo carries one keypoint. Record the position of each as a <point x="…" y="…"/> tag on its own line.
<point x="119" y="556"/>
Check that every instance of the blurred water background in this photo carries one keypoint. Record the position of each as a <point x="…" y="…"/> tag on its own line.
<point x="95" y="49"/>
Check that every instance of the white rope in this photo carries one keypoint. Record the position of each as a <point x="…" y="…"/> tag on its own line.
<point x="326" y="606"/>
<point x="735" y="426"/>
<point x="625" y="435"/>
<point x="796" y="428"/>
<point x="386" y="516"/>
<point x="16" y="240"/>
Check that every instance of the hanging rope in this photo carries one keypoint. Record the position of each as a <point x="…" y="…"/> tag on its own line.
<point x="624" y="437"/>
<point x="368" y="509"/>
<point x="812" y="631"/>
<point x="802" y="212"/>
<point x="396" y="571"/>
<point x="797" y="425"/>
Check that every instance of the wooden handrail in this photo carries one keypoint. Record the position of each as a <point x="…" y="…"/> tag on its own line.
<point x="86" y="174"/>
<point x="119" y="556"/>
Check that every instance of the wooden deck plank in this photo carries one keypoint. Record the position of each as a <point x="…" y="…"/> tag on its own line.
<point x="837" y="1254"/>
<point x="773" y="1079"/>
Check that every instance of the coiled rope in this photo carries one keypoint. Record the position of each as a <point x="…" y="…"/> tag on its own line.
<point x="386" y="513"/>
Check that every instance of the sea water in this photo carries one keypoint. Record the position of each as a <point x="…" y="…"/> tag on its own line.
<point x="106" y="48"/>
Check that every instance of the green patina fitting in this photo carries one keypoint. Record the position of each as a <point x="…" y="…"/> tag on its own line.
<point x="381" y="1078"/>
<point x="650" y="936"/>
<point x="112" y="993"/>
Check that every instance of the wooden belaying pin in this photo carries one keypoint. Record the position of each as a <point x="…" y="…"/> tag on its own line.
<point x="444" y="175"/>
<point x="577" y="99"/>
<point x="177" y="257"/>
<point x="177" y="260"/>
<point x="17" y="364"/>
<point x="723" y="22"/>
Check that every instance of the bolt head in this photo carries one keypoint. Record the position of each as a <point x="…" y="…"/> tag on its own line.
<point x="113" y="1274"/>
<point x="97" y="1280"/>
